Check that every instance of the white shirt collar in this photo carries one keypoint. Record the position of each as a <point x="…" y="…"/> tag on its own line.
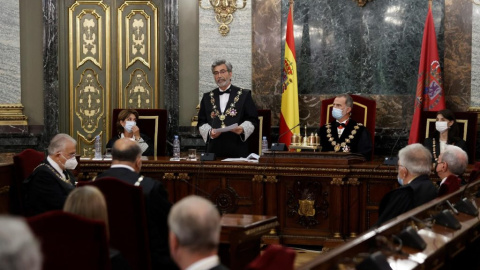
<point x="225" y="88"/>
<point x="122" y="166"/>
<point x="205" y="263"/>
<point x="55" y="166"/>
<point x="123" y="136"/>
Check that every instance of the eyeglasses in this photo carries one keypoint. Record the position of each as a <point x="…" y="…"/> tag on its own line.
<point x="223" y="71"/>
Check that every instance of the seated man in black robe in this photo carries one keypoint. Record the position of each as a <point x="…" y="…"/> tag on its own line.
<point x="416" y="188"/>
<point x="345" y="134"/>
<point x="225" y="106"/>
<point x="50" y="183"/>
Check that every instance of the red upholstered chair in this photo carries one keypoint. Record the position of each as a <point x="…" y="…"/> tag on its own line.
<point x="274" y="257"/>
<point x="364" y="111"/>
<point x="152" y="122"/>
<point x="263" y="129"/>
<point x="70" y="241"/>
<point x="467" y="122"/>
<point x="127" y="220"/>
<point x="24" y="163"/>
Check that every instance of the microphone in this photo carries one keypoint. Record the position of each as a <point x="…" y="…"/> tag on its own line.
<point x="281" y="146"/>
<point x="392" y="160"/>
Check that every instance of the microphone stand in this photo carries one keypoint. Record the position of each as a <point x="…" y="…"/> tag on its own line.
<point x="281" y="146"/>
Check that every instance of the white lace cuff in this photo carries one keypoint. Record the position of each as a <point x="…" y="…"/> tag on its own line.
<point x="248" y="129"/>
<point x="205" y="131"/>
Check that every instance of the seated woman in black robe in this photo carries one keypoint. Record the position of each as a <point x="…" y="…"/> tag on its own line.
<point x="447" y="132"/>
<point x="127" y="128"/>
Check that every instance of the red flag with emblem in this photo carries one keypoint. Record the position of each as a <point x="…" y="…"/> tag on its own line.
<point x="430" y="95"/>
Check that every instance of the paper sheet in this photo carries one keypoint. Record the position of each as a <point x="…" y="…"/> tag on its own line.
<point x="226" y="129"/>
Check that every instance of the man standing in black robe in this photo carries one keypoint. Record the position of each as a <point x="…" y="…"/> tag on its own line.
<point x="223" y="107"/>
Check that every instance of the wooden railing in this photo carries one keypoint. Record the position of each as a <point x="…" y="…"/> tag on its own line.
<point x="443" y="247"/>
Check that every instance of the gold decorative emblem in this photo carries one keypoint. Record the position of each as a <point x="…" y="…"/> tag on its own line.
<point x="138" y="91"/>
<point x="224" y="10"/>
<point x="337" y="148"/>
<point x="89" y="96"/>
<point x="306" y="208"/>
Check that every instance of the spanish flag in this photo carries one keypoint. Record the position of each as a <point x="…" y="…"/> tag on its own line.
<point x="430" y="95"/>
<point x="289" y="112"/>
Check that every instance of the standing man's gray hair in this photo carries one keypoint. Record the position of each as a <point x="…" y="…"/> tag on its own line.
<point x="57" y="143"/>
<point x="195" y="222"/>
<point x="19" y="249"/>
<point x="221" y="62"/>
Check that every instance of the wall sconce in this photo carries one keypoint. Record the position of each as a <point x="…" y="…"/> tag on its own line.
<point x="360" y="3"/>
<point x="224" y="10"/>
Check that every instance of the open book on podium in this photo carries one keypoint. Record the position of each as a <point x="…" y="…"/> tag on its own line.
<point x="310" y="158"/>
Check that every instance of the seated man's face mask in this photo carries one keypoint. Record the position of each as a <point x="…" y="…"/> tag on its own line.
<point x="337" y="113"/>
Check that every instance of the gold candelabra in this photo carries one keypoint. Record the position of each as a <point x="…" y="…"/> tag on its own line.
<point x="224" y="10"/>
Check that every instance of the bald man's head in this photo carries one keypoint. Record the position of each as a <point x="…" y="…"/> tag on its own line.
<point x="126" y="150"/>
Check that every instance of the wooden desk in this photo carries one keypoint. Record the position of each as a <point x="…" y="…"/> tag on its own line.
<point x="241" y="237"/>
<point x="316" y="204"/>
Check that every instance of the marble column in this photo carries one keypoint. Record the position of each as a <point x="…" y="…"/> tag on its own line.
<point x="475" y="91"/>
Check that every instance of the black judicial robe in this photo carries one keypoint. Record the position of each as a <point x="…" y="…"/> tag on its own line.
<point x="398" y="201"/>
<point x="45" y="190"/>
<point x="428" y="143"/>
<point x="355" y="136"/>
<point x="228" y="144"/>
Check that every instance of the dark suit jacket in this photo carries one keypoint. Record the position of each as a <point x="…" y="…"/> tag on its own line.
<point x="150" y="150"/>
<point x="45" y="190"/>
<point x="428" y="143"/>
<point x="361" y="142"/>
<point x="228" y="144"/>
<point x="400" y="200"/>
<point x="157" y="209"/>
<point x="219" y="267"/>
<point x="451" y="184"/>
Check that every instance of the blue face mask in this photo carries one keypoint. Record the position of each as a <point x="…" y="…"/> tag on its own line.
<point x="337" y="113"/>
<point x="400" y="181"/>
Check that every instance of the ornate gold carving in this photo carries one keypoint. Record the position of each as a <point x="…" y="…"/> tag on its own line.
<point x="12" y="115"/>
<point x="271" y="179"/>
<point x="361" y="3"/>
<point x="336" y="181"/>
<point x="169" y="176"/>
<point x="224" y="10"/>
<point x="89" y="38"/>
<point x="86" y="146"/>
<point x="138" y="91"/>
<point x="306" y="208"/>
<point x="138" y="33"/>
<point x="353" y="181"/>
<point x="183" y="176"/>
<point x="89" y="41"/>
<point x="336" y="235"/>
<point x="257" y="178"/>
<point x="353" y="235"/>
<point x="4" y="190"/>
<point x="262" y="228"/>
<point x="89" y="101"/>
<point x="137" y="27"/>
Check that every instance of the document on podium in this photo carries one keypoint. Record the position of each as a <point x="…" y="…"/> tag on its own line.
<point x="226" y="129"/>
<point x="251" y="158"/>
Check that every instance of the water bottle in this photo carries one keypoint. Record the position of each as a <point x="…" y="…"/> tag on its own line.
<point x="98" y="147"/>
<point x="176" y="148"/>
<point x="264" y="144"/>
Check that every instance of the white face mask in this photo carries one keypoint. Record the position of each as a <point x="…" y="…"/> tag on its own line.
<point x="337" y="113"/>
<point x="128" y="126"/>
<point x="441" y="126"/>
<point x="70" y="164"/>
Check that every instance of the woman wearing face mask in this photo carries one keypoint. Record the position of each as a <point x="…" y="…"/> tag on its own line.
<point x="127" y="128"/>
<point x="447" y="132"/>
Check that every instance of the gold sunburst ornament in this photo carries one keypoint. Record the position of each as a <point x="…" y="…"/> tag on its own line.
<point x="362" y="3"/>
<point x="224" y="10"/>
